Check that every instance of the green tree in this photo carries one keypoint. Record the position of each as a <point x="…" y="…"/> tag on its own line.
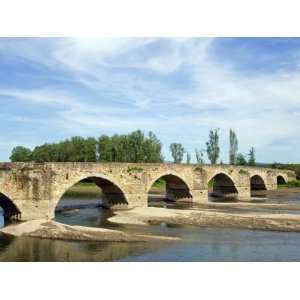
<point x="136" y="140"/>
<point x="104" y="148"/>
<point x="132" y="147"/>
<point x="233" y="149"/>
<point x="251" y="156"/>
<point x="241" y="160"/>
<point x="90" y="149"/>
<point x="199" y="154"/>
<point x="188" y="158"/>
<point x="20" y="153"/>
<point x="177" y="152"/>
<point x="212" y="146"/>
<point x="153" y="149"/>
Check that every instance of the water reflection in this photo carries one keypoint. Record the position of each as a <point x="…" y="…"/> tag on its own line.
<point x="1" y="217"/>
<point x="198" y="243"/>
<point x="84" y="212"/>
<point x="34" y="249"/>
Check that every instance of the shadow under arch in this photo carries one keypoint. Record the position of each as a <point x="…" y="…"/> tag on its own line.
<point x="280" y="180"/>
<point x="222" y="186"/>
<point x="106" y="192"/>
<point x="257" y="183"/>
<point x="169" y="187"/>
<point x="10" y="210"/>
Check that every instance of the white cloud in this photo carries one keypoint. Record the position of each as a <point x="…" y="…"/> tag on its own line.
<point x="133" y="84"/>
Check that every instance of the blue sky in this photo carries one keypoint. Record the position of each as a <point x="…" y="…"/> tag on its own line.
<point x="179" y="88"/>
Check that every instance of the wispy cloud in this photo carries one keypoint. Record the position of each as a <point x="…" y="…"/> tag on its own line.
<point x="179" y="88"/>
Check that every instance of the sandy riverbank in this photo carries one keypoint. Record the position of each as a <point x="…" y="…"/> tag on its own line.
<point x="250" y="220"/>
<point x="55" y="230"/>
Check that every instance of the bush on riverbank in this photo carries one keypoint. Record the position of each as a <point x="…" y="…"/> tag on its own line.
<point x="290" y="184"/>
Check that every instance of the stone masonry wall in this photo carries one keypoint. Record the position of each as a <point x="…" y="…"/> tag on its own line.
<point x="36" y="188"/>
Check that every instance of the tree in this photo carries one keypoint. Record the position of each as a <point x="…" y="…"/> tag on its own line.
<point x="132" y="147"/>
<point x="251" y="155"/>
<point x="153" y="149"/>
<point x="199" y="156"/>
<point x="104" y="148"/>
<point x="188" y="158"/>
<point x="20" y="153"/>
<point x="233" y="141"/>
<point x="177" y="152"/>
<point x="212" y="146"/>
<point x="241" y="160"/>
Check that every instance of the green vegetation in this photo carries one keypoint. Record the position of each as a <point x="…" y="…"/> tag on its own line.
<point x="211" y="183"/>
<point x="177" y="152"/>
<point x="233" y="147"/>
<point x="251" y="154"/>
<point x="290" y="184"/>
<point x="199" y="154"/>
<point x="84" y="189"/>
<point x="133" y="147"/>
<point x="241" y="160"/>
<point x="293" y="167"/>
<point x="212" y="146"/>
<point x="188" y="158"/>
<point x="160" y="183"/>
<point x="198" y="169"/>
<point x="20" y="153"/>
<point x="243" y="172"/>
<point x="135" y="170"/>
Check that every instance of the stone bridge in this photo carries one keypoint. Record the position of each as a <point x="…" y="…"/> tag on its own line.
<point x="32" y="190"/>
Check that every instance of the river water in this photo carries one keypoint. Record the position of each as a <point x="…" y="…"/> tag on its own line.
<point x="197" y="244"/>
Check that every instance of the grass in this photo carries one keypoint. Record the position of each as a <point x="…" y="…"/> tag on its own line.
<point x="290" y="184"/>
<point x="85" y="184"/>
<point x="160" y="183"/>
<point x="86" y="189"/>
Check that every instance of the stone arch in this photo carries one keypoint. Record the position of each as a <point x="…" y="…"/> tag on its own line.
<point x="112" y="192"/>
<point x="257" y="183"/>
<point x="10" y="209"/>
<point x="280" y="179"/>
<point x="176" y="187"/>
<point x="223" y="185"/>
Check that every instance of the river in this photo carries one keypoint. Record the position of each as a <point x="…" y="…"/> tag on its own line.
<point x="197" y="244"/>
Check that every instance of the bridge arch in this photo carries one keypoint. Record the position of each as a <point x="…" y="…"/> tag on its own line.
<point x="280" y="179"/>
<point x="257" y="183"/>
<point x="10" y="209"/>
<point x="175" y="187"/>
<point x="112" y="193"/>
<point x="222" y="185"/>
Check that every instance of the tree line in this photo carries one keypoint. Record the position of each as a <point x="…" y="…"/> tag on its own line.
<point x="213" y="151"/>
<point x="133" y="147"/>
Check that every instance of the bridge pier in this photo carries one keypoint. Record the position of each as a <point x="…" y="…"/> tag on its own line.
<point x="36" y="188"/>
<point x="137" y="200"/>
<point x="200" y="196"/>
<point x="244" y="193"/>
<point x="31" y="210"/>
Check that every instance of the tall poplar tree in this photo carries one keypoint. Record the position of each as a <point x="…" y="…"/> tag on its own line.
<point x="233" y="147"/>
<point x="212" y="146"/>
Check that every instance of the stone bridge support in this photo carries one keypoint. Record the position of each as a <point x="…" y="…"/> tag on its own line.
<point x="32" y="190"/>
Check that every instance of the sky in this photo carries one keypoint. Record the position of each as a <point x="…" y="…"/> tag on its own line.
<point x="179" y="88"/>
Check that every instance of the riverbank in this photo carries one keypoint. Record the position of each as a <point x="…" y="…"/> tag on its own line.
<point x="269" y="213"/>
<point x="248" y="220"/>
<point x="54" y="230"/>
